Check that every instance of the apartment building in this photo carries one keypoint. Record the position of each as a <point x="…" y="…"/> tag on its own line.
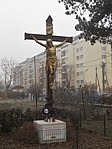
<point x="31" y="73"/>
<point x="93" y="63"/>
<point x="65" y="70"/>
<point x="79" y="63"/>
<point x="26" y="73"/>
<point x="41" y="76"/>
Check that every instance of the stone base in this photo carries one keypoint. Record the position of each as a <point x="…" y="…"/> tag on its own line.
<point x="49" y="132"/>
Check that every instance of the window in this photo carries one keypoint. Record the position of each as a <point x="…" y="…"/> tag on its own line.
<point x="63" y="76"/>
<point x="103" y="56"/>
<point x="63" y="53"/>
<point x="77" y="57"/>
<point x="30" y="66"/>
<point x="31" y="70"/>
<point x="81" y="48"/>
<point x="77" y="50"/>
<point x="82" y="81"/>
<point x="80" y="73"/>
<point x="66" y="58"/>
<point x="78" y="81"/>
<point x="77" y="73"/>
<point x="64" y="68"/>
<point x="31" y="81"/>
<point x="63" y="83"/>
<point x="81" y="56"/>
<point x="77" y="65"/>
<point x="63" y="61"/>
<point x="81" y="64"/>
<point x="103" y="49"/>
<point x="105" y="81"/>
<point x="31" y="76"/>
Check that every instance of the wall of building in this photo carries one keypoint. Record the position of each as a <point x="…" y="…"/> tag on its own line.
<point x="89" y="57"/>
<point x="77" y="63"/>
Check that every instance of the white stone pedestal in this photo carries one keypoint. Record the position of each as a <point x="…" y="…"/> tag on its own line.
<point x="49" y="132"/>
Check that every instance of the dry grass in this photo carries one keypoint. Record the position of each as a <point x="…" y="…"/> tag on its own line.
<point x="20" y="103"/>
<point x="24" y="137"/>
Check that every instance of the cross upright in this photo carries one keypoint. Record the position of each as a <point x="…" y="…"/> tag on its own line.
<point x="49" y="32"/>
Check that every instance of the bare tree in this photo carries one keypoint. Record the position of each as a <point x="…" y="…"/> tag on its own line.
<point x="7" y="67"/>
<point x="1" y="83"/>
<point x="68" y="75"/>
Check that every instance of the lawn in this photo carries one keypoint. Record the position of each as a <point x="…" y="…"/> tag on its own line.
<point x="98" y="126"/>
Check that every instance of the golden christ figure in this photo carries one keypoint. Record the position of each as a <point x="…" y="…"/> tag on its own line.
<point x="51" y="61"/>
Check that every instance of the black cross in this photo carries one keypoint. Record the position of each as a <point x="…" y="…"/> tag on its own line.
<point x="49" y="32"/>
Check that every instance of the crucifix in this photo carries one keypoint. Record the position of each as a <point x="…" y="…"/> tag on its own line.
<point x="51" y="60"/>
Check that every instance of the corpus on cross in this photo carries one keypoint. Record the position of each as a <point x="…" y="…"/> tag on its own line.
<point x="51" y="59"/>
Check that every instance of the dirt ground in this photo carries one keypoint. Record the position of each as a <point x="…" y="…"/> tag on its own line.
<point x="24" y="138"/>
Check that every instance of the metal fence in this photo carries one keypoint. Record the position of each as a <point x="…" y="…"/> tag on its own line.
<point x="102" y="126"/>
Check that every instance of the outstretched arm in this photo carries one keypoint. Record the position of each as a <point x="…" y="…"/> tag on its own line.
<point x="44" y="45"/>
<point x="62" y="43"/>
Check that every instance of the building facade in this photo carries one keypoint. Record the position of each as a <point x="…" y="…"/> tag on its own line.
<point x="79" y="64"/>
<point x="93" y="64"/>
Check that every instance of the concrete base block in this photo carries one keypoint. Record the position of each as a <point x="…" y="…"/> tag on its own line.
<point x="49" y="132"/>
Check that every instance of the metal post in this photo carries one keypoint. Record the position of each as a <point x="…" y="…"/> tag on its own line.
<point x="80" y="119"/>
<point x="84" y="76"/>
<point x="77" y="134"/>
<point x="103" y="78"/>
<point x="42" y="79"/>
<point x="104" y="126"/>
<point x="35" y="82"/>
<point x="83" y="104"/>
<point x="76" y="145"/>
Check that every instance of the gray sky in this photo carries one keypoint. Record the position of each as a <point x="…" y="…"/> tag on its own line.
<point x="20" y="16"/>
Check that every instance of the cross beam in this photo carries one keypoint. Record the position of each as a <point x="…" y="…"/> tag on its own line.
<point x="45" y="37"/>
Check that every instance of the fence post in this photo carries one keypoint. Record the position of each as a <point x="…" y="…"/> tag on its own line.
<point x="76" y="145"/>
<point x="77" y="134"/>
<point x="83" y="103"/>
<point x="104" y="126"/>
<point x="80" y="119"/>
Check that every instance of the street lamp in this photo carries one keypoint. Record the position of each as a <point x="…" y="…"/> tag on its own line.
<point x="84" y="76"/>
<point x="110" y="55"/>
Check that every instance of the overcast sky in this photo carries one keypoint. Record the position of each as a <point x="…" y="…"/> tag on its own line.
<point x="20" y="16"/>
